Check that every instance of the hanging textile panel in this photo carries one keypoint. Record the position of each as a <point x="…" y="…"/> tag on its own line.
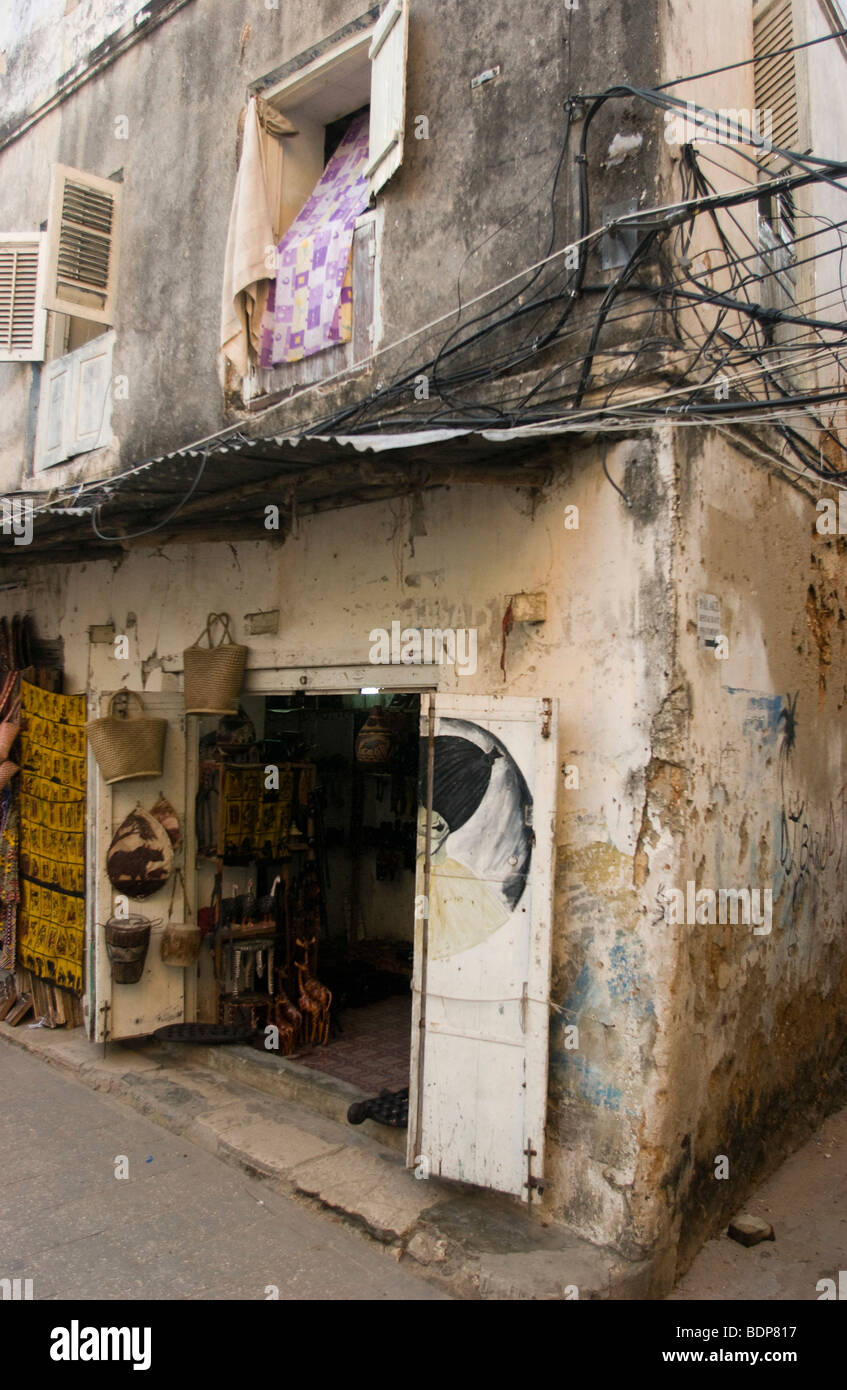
<point x="51" y="920"/>
<point x="310" y="304"/>
<point x="9" y="884"/>
<point x="255" y="819"/>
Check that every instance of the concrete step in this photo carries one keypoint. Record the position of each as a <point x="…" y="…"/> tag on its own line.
<point x="283" y="1077"/>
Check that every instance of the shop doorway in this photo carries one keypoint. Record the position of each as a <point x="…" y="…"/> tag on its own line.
<point x="300" y="816"/>
<point x="306" y="821"/>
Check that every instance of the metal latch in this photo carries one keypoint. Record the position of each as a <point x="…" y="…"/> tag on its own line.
<point x="547" y="717"/>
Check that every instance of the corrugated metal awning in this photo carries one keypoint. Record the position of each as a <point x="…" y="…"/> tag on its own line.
<point x="219" y="489"/>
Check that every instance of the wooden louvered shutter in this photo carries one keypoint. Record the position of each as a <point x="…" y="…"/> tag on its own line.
<point x="82" y="230"/>
<point x="22" y="317"/>
<point x="776" y="78"/>
<point x="388" y="53"/>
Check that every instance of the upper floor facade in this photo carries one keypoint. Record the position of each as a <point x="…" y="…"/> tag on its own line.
<point x="473" y="213"/>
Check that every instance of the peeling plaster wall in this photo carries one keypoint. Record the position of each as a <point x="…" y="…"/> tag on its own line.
<point x="41" y="41"/>
<point x="757" y="1047"/>
<point x="604" y="651"/>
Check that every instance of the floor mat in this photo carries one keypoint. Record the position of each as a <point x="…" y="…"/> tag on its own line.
<point x="374" y="1049"/>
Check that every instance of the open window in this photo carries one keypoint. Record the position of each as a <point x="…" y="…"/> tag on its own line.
<point x="357" y="74"/>
<point x="80" y="270"/>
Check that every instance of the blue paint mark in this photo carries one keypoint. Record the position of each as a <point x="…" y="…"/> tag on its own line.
<point x="589" y="1081"/>
<point x="763" y="713"/>
<point x="578" y="996"/>
<point x="626" y="961"/>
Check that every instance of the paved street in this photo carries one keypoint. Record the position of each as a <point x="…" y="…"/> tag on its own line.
<point x="804" y="1202"/>
<point x="183" y="1225"/>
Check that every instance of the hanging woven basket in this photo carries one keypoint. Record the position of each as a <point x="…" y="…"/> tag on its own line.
<point x="130" y="747"/>
<point x="180" y="942"/>
<point x="214" y="674"/>
<point x="127" y="940"/>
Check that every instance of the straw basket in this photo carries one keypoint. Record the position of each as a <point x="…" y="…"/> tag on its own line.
<point x="214" y="674"/>
<point x="127" y="940"/>
<point x="126" y="748"/>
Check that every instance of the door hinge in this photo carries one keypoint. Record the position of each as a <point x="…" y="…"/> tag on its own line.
<point x="532" y="1184"/>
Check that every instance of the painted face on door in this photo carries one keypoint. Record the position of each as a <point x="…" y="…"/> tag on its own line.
<point x="481" y="844"/>
<point x="439" y="832"/>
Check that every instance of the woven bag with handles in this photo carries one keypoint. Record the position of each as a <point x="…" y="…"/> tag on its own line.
<point x="131" y="747"/>
<point x="214" y="674"/>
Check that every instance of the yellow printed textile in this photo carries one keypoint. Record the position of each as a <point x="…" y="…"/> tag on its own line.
<point x="51" y="922"/>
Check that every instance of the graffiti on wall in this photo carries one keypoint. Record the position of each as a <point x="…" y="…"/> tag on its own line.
<point x="809" y="841"/>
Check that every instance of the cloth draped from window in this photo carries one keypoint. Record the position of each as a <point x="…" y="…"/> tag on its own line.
<point x="310" y="306"/>
<point x="247" y="275"/>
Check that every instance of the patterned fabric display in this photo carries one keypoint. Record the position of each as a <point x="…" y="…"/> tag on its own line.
<point x="51" y="930"/>
<point x="255" y="819"/>
<point x="310" y="305"/>
<point x="9" y="890"/>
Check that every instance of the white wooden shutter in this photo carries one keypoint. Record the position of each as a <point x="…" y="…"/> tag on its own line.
<point x="131" y="1011"/>
<point x="388" y="93"/>
<point x="776" y="78"/>
<point x="89" y="424"/>
<point x="23" y="320"/>
<point x="75" y="403"/>
<point x="480" y="1019"/>
<point x="53" y="404"/>
<point x="82" y="231"/>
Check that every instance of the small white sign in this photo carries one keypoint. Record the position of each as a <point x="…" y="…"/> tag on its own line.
<point x="708" y="620"/>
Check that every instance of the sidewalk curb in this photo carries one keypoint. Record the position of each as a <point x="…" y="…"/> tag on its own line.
<point x="474" y="1244"/>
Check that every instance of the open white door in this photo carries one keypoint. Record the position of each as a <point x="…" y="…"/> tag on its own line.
<point x="480" y="1017"/>
<point x="117" y="1011"/>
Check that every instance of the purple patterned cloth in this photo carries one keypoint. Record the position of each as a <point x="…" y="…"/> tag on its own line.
<point x="306" y="304"/>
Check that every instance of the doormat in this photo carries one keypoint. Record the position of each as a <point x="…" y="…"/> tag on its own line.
<point x="51" y="921"/>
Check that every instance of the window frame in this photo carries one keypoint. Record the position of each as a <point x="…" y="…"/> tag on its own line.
<point x="286" y="89"/>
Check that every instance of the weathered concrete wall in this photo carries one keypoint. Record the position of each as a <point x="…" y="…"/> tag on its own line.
<point x="44" y="41"/>
<point x="757" y="770"/>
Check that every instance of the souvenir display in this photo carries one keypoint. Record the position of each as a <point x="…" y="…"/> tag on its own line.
<point x="141" y="857"/>
<point x="51" y="920"/>
<point x="127" y="941"/>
